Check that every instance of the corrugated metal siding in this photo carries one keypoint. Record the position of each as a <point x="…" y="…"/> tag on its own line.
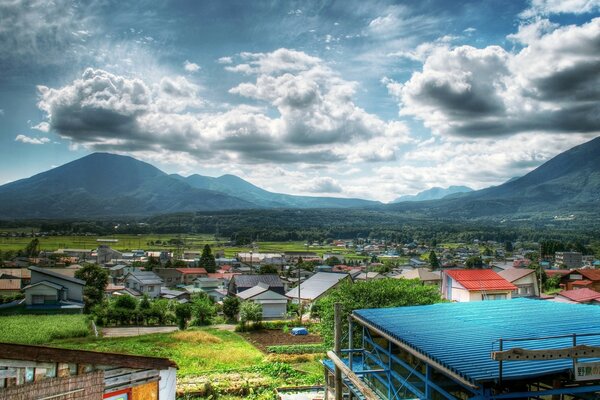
<point x="461" y="336"/>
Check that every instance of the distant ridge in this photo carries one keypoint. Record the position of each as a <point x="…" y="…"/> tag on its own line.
<point x="434" y="193"/>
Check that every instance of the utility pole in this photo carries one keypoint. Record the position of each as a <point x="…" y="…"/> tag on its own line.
<point x="338" y="348"/>
<point x="299" y="298"/>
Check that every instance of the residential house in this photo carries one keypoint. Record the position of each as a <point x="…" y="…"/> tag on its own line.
<point x="105" y="253"/>
<point x="144" y="282"/>
<point x="422" y="274"/>
<point x="239" y="283"/>
<point x="181" y="296"/>
<point x="294" y="256"/>
<point x="524" y="279"/>
<point x="39" y="372"/>
<point x="579" y="278"/>
<point x="417" y="263"/>
<point x="24" y="274"/>
<point x="582" y="296"/>
<point x="317" y="286"/>
<point x="9" y="287"/>
<point x="51" y="290"/>
<point x="188" y="275"/>
<point x="170" y="276"/>
<point x="117" y="272"/>
<point x="464" y="285"/>
<point x="274" y="305"/>
<point x="213" y="287"/>
<point x="367" y="276"/>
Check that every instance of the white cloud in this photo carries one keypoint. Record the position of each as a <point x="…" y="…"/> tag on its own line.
<point x="225" y="60"/>
<point x="551" y="85"/>
<point x="548" y="7"/>
<point x="321" y="185"/>
<point x="190" y="66"/>
<point x="531" y="32"/>
<point x="31" y="140"/>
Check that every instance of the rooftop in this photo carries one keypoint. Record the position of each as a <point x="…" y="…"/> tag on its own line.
<point x="49" y="272"/>
<point x="580" y="295"/>
<point x="192" y="270"/>
<point x="513" y="274"/>
<point x="461" y="336"/>
<point x="317" y="285"/>
<point x="480" y="279"/>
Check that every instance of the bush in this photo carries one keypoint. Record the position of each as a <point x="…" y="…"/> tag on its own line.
<point x="250" y="312"/>
<point x="297" y="349"/>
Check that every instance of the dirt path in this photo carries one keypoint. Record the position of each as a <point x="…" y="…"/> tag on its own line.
<point x="136" y="331"/>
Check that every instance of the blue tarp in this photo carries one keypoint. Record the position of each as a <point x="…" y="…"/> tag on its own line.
<point x="299" y="331"/>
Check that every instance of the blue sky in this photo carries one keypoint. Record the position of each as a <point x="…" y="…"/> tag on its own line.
<point x="351" y="98"/>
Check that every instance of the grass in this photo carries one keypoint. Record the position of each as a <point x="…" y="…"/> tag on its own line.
<point x="196" y="352"/>
<point x="43" y="329"/>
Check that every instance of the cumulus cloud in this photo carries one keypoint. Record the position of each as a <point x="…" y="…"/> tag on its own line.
<point x="322" y="185"/>
<point x="547" y="7"/>
<point x="31" y="140"/>
<point x="309" y="115"/>
<point x="551" y="85"/>
<point x="225" y="60"/>
<point x="190" y="66"/>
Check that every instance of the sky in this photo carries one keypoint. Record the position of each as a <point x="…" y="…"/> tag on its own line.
<point x="352" y="98"/>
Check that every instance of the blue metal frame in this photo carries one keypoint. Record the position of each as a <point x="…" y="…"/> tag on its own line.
<point x="372" y="354"/>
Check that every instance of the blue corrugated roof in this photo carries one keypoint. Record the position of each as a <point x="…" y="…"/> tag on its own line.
<point x="461" y="336"/>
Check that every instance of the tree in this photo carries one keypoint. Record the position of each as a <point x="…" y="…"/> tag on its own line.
<point x="372" y="294"/>
<point x="183" y="312"/>
<point x="433" y="260"/>
<point x="250" y="312"/>
<point x="203" y="309"/>
<point x="96" y="279"/>
<point x="474" y="262"/>
<point x="207" y="260"/>
<point x="508" y="246"/>
<point x="33" y="248"/>
<point x="231" y="307"/>
<point x="267" y="269"/>
<point x="331" y="261"/>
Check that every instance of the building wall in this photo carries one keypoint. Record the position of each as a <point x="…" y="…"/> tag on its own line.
<point x="527" y="281"/>
<point x="89" y="386"/>
<point x="167" y="384"/>
<point x="147" y="391"/>
<point x="75" y="290"/>
<point x="40" y="290"/>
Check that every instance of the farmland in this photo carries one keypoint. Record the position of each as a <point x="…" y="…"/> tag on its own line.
<point x="18" y="329"/>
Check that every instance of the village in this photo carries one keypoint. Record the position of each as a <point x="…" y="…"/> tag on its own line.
<point x="251" y="288"/>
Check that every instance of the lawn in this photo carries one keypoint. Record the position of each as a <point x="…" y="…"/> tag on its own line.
<point x="42" y="329"/>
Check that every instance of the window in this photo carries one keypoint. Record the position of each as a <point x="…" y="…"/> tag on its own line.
<point x="150" y="288"/>
<point x="169" y="279"/>
<point x="37" y="299"/>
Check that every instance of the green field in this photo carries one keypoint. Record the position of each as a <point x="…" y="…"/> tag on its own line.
<point x="42" y="329"/>
<point x="148" y="242"/>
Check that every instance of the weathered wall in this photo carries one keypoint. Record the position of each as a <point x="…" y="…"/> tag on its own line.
<point x="92" y="384"/>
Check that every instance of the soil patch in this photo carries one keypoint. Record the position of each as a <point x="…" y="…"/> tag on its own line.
<point x="264" y="338"/>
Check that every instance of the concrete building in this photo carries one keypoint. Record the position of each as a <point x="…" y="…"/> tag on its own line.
<point x="569" y="259"/>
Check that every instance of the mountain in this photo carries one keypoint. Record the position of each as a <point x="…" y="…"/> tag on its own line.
<point x="434" y="193"/>
<point x="566" y="183"/>
<point x="103" y="184"/>
<point x="235" y="186"/>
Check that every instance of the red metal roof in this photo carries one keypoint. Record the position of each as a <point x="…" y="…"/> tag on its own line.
<point x="580" y="295"/>
<point x="561" y="272"/>
<point x="582" y="283"/>
<point x="480" y="279"/>
<point x="192" y="270"/>
<point x="10" y="284"/>
<point x="591" y="274"/>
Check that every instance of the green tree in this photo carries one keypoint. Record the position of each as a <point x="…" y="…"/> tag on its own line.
<point x="474" y="262"/>
<point x="183" y="312"/>
<point x="508" y="246"/>
<point x="96" y="279"/>
<point x="203" y="309"/>
<point x="33" y="248"/>
<point x="268" y="269"/>
<point x="250" y="312"/>
<point x="433" y="260"/>
<point x="207" y="260"/>
<point x="372" y="294"/>
<point x="331" y="261"/>
<point x="231" y="307"/>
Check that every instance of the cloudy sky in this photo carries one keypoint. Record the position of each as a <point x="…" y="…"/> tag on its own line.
<point x="370" y="99"/>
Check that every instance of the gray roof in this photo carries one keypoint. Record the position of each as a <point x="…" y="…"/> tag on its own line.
<point x="146" y="277"/>
<point x="253" y="291"/>
<point x="47" y="271"/>
<point x="315" y="286"/>
<point x="513" y="274"/>
<point x="272" y="280"/>
<point x="422" y="274"/>
<point x="45" y="283"/>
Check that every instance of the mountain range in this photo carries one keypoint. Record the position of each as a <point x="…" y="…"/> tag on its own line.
<point x="103" y="185"/>
<point x="434" y="193"/>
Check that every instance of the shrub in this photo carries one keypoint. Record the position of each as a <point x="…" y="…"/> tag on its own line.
<point x="297" y="349"/>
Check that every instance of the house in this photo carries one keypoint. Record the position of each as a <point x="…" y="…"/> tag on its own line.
<point x="274" y="305"/>
<point x="9" y="287"/>
<point x="188" y="275"/>
<point x="118" y="272"/>
<point x="39" y="372"/>
<point x="295" y="256"/>
<point x="144" y="282"/>
<point x="24" y="274"/>
<point x="470" y="350"/>
<point x="589" y="278"/>
<point x="170" y="276"/>
<point x="465" y="285"/>
<point x="524" y="279"/>
<point x="112" y="289"/>
<point x="105" y="253"/>
<point x="582" y="296"/>
<point x="367" y="276"/>
<point x="239" y="283"/>
<point x="415" y="262"/>
<point x="179" y="295"/>
<point x="51" y="290"/>
<point x="422" y="274"/>
<point x="317" y="286"/>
